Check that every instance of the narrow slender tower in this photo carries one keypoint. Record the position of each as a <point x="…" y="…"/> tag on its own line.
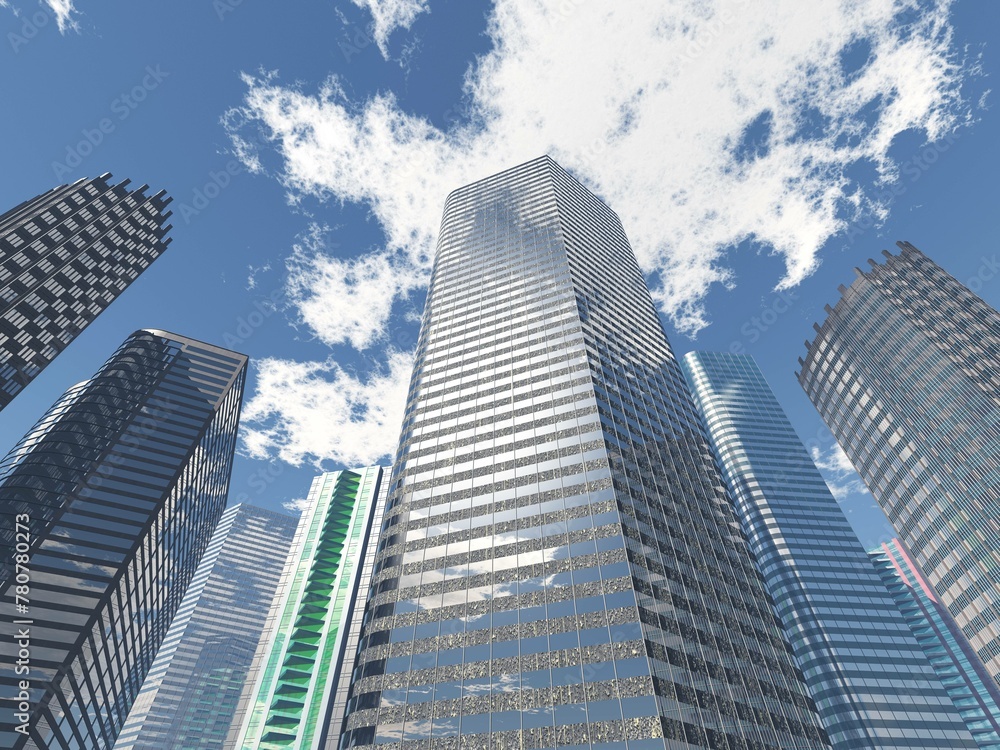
<point x="905" y="371"/>
<point x="560" y="564"/>
<point x="838" y="616"/>
<point x="296" y="689"/>
<point x="64" y="257"/>
<point x="107" y="506"/>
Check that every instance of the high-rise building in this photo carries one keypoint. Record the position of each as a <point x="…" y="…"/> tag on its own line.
<point x="306" y="654"/>
<point x="870" y="679"/>
<point x="905" y="371"/>
<point x="361" y="594"/>
<point x="64" y="257"/>
<point x="191" y="692"/>
<point x="970" y="686"/>
<point x="107" y="506"/>
<point x="560" y="564"/>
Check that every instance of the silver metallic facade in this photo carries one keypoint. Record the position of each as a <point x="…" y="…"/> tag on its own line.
<point x="123" y="481"/>
<point x="905" y="372"/>
<point x="975" y="694"/>
<point x="559" y="563"/>
<point x="872" y="682"/>
<point x="64" y="257"/>
<point x="190" y="694"/>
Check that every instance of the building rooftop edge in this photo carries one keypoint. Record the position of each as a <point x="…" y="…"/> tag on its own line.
<point x="189" y="340"/>
<point x="543" y="158"/>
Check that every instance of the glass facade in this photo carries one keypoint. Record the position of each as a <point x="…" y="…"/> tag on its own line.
<point x="191" y="692"/>
<point x="64" y="257"/>
<point x="361" y="595"/>
<point x="870" y="679"/>
<point x="290" y="698"/>
<point x="122" y="482"/>
<point x="905" y="372"/>
<point x="970" y="686"/>
<point x="559" y="563"/>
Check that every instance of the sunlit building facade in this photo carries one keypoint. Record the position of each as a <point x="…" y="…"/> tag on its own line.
<point x="872" y="682"/>
<point x="123" y="482"/>
<point x="190" y="695"/>
<point x="559" y="563"/>
<point x="905" y="371"/>
<point x="975" y="694"/>
<point x="295" y="691"/>
<point x="64" y="257"/>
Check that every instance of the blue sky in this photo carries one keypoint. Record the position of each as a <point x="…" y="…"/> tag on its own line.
<point x="755" y="159"/>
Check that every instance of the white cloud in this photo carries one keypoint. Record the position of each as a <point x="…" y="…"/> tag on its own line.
<point x="647" y="102"/>
<point x="299" y="505"/>
<point x="389" y="15"/>
<point x="346" y="300"/>
<point x="837" y="465"/>
<point x="650" y="104"/>
<point x="317" y="411"/>
<point x="63" y="10"/>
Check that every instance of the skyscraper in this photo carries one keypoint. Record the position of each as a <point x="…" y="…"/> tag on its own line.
<point x="871" y="681"/>
<point x="905" y="372"/>
<point x="361" y="594"/>
<point x="970" y="686"/>
<point x="118" y="488"/>
<point x="559" y="563"/>
<point x="304" y="660"/>
<point x="64" y="257"/>
<point x="191" y="692"/>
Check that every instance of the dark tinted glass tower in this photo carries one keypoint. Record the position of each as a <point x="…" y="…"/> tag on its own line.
<point x="970" y="686"/>
<point x="871" y="680"/>
<point x="191" y="692"/>
<point x="906" y="372"/>
<point x="559" y="563"/>
<point x="64" y="257"/>
<point x="120" y="486"/>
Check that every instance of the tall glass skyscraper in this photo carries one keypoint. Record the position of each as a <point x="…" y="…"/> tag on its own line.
<point x="354" y="622"/>
<point x="906" y="371"/>
<point x="64" y="257"/>
<point x="306" y="655"/>
<point x="191" y="692"/>
<point x="118" y="488"/>
<point x="559" y="563"/>
<point x="871" y="681"/>
<point x="970" y="686"/>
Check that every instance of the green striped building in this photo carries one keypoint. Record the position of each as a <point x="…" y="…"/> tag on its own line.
<point x="307" y="649"/>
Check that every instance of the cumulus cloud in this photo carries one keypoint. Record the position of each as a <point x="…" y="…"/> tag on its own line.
<point x="318" y="411"/>
<point x="704" y="123"/>
<point x="839" y="472"/>
<point x="345" y="301"/>
<point x="389" y="15"/>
